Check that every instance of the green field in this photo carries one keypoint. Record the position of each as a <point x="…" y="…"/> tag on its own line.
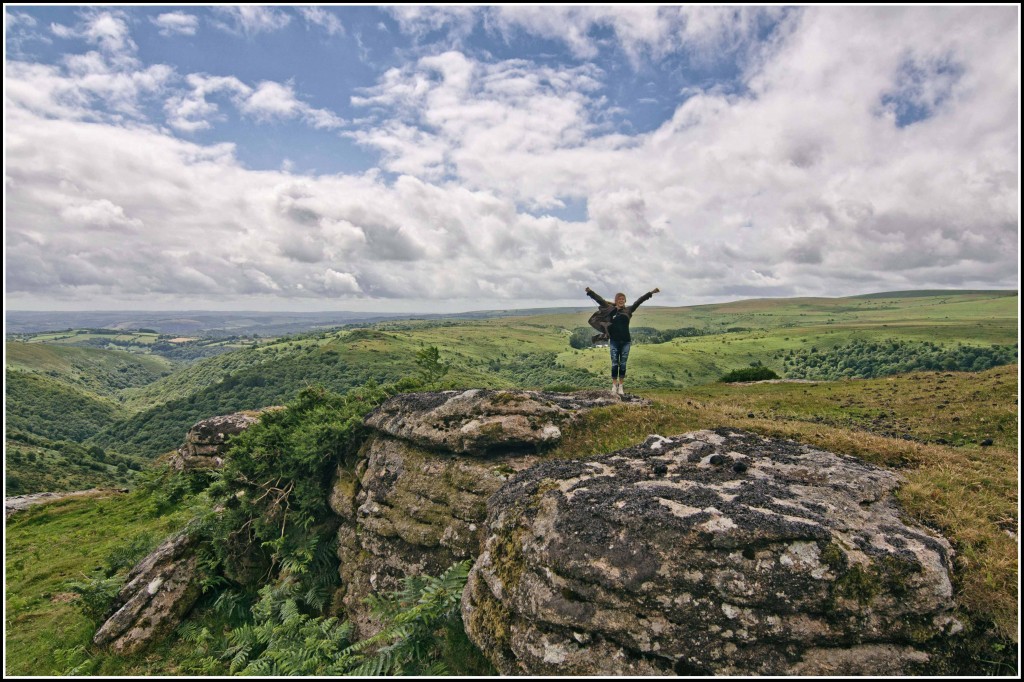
<point x="150" y="413"/>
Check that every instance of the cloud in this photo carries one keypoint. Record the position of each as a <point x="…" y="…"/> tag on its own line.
<point x="250" y="20"/>
<point x="454" y="22"/>
<point x="107" y="30"/>
<point x="89" y="87"/>
<point x="272" y="100"/>
<point x="806" y="180"/>
<point x="176" y="23"/>
<point x="318" y="16"/>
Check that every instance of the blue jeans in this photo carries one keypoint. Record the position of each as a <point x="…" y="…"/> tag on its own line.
<point x="620" y="353"/>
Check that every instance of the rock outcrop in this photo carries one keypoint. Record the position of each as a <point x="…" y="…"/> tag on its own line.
<point x="157" y="594"/>
<point x="417" y="501"/>
<point x="709" y="553"/>
<point x="207" y="440"/>
<point x="482" y="421"/>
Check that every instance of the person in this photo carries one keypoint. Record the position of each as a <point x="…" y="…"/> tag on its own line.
<point x="612" y="320"/>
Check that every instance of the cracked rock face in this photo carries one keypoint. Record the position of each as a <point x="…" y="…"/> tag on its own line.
<point x="157" y="594"/>
<point x="715" y="552"/>
<point x="207" y="441"/>
<point x="417" y="502"/>
<point x="482" y="421"/>
<point x="410" y="511"/>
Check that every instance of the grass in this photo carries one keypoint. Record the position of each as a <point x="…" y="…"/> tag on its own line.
<point x="49" y="545"/>
<point x="966" y="490"/>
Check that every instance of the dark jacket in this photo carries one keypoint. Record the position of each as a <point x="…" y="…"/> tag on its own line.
<point x="601" y="319"/>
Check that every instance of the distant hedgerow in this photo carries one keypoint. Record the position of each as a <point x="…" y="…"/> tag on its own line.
<point x="750" y="374"/>
<point x="863" y="359"/>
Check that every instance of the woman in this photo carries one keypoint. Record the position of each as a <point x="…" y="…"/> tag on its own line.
<point x="612" y="319"/>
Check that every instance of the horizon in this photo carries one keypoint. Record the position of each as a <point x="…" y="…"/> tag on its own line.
<point x="465" y="158"/>
<point x="649" y="304"/>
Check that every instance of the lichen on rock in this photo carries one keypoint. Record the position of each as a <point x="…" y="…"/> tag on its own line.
<point x="158" y="592"/>
<point x="715" y="552"/>
<point x="207" y="440"/>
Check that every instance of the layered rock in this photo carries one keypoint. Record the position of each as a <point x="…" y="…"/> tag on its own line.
<point x="417" y="501"/>
<point x="207" y="440"/>
<point x="157" y="594"/>
<point x="481" y="421"/>
<point x="708" y="553"/>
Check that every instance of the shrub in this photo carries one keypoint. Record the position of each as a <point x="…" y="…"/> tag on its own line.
<point x="750" y="374"/>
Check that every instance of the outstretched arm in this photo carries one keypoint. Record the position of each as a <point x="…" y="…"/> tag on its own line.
<point x="594" y="295"/>
<point x="636" y="304"/>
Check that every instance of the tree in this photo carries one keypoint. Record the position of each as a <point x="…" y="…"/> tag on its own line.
<point x="431" y="367"/>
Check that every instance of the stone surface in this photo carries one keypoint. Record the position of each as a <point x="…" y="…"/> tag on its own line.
<point x="481" y="421"/>
<point x="410" y="511"/>
<point x="417" y="501"/>
<point x="207" y="440"/>
<point x="157" y="594"/>
<point x="19" y="503"/>
<point x="709" y="553"/>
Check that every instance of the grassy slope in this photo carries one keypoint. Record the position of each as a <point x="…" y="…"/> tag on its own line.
<point x="46" y="407"/>
<point x="55" y="466"/>
<point x="967" y="491"/>
<point x="49" y="545"/>
<point x="533" y="351"/>
<point x="102" y="372"/>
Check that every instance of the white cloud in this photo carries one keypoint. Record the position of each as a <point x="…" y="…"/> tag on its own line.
<point x="456" y="22"/>
<point x="271" y="100"/>
<point x="251" y="20"/>
<point x="804" y="184"/>
<point x="321" y="17"/>
<point x="107" y="30"/>
<point x="176" y="23"/>
<point x="192" y="111"/>
<point x="89" y="87"/>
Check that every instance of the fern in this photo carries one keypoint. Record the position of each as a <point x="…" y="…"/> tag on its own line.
<point x="412" y="616"/>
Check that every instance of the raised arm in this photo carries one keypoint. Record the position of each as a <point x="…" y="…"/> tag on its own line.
<point x="636" y="304"/>
<point x="594" y="295"/>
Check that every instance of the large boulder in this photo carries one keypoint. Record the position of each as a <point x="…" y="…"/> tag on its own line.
<point x="714" y="552"/>
<point x="481" y="421"/>
<point x="207" y="440"/>
<point x="157" y="594"/>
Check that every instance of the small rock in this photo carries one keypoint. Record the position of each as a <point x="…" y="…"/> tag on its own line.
<point x="987" y="442"/>
<point x="717" y="459"/>
<point x="739" y="467"/>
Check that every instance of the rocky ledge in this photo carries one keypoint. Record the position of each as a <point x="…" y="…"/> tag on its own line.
<point x="482" y="421"/>
<point x="417" y="500"/>
<point x="714" y="552"/>
<point x="207" y="440"/>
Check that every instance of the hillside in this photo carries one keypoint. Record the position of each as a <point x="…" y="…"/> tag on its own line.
<point x="931" y="426"/>
<point x="101" y="372"/>
<point x="806" y="338"/>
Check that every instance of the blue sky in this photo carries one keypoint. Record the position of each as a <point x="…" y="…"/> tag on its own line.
<point x="452" y="158"/>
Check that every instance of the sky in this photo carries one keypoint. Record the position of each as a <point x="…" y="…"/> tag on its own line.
<point x="441" y="159"/>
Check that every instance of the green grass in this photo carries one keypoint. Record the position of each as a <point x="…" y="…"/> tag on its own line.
<point x="49" y="545"/>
